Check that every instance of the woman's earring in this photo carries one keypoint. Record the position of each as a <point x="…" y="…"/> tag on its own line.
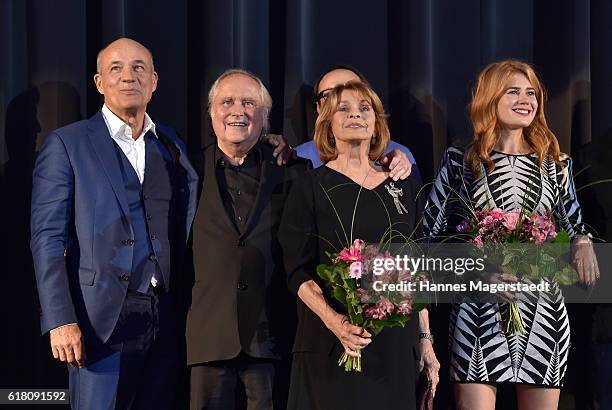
<point x="332" y="141"/>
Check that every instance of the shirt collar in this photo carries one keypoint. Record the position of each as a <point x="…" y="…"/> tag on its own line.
<point x="117" y="127"/>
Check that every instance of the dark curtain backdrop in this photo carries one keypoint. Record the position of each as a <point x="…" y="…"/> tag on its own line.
<point x="421" y="56"/>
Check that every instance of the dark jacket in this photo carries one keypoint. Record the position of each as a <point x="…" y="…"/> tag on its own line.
<point x="240" y="300"/>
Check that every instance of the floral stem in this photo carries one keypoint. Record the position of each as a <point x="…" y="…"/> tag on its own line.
<point x="515" y="321"/>
<point x="350" y="363"/>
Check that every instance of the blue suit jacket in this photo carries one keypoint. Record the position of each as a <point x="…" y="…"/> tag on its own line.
<point x="80" y="218"/>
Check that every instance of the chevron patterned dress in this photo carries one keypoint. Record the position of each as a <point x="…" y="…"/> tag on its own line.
<point x="480" y="351"/>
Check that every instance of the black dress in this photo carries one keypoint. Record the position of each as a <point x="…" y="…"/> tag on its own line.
<point x="317" y="218"/>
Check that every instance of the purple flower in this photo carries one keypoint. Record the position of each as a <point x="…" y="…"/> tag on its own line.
<point x="405" y="307"/>
<point x="364" y="296"/>
<point x="463" y="226"/>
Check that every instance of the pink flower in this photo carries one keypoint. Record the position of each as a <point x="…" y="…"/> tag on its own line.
<point x="375" y="313"/>
<point x="483" y="231"/>
<point x="380" y="310"/>
<point x="405" y="307"/>
<point x="538" y="236"/>
<point x="386" y="305"/>
<point x="355" y="270"/>
<point x="488" y="222"/>
<point x="489" y="218"/>
<point x="511" y="219"/>
<point x="359" y="244"/>
<point x="477" y="241"/>
<point x="539" y="229"/>
<point x="497" y="214"/>
<point x="353" y="253"/>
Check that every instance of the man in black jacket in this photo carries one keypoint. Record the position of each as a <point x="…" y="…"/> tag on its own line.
<point x="240" y="305"/>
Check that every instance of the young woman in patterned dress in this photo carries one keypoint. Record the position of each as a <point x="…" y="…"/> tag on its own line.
<point x="513" y="163"/>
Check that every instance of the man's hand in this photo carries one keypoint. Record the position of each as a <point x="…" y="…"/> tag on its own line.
<point x="67" y="345"/>
<point x="283" y="151"/>
<point x="397" y="163"/>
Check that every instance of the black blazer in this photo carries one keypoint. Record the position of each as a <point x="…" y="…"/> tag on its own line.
<point x="239" y="300"/>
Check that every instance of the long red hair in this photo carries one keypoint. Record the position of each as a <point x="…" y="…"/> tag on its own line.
<point x="490" y="87"/>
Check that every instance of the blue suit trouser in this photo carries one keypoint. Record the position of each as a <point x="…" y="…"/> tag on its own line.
<point x="140" y="368"/>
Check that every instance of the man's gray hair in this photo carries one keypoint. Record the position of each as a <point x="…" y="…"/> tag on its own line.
<point x="266" y="99"/>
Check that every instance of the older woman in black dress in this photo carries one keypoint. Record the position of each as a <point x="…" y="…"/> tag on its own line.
<point x="349" y="198"/>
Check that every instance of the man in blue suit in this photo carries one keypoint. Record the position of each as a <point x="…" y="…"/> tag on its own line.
<point x="112" y="204"/>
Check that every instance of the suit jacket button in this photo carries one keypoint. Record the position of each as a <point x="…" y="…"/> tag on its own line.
<point x="124" y="277"/>
<point x="152" y="257"/>
<point x="240" y="244"/>
<point x="128" y="242"/>
<point x="149" y="217"/>
<point x="153" y="237"/>
<point x="242" y="286"/>
<point x="145" y="197"/>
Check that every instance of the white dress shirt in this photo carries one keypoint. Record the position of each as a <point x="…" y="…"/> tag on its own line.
<point x="134" y="149"/>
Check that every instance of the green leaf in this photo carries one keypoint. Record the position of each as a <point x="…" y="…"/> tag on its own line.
<point x="567" y="276"/>
<point x="562" y="237"/>
<point x="508" y="259"/>
<point x="325" y="273"/>
<point x="355" y="317"/>
<point x="340" y="295"/>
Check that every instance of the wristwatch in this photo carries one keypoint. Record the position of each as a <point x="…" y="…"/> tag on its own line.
<point x="428" y="336"/>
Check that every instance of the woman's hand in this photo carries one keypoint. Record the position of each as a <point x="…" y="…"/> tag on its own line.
<point x="353" y="338"/>
<point x="429" y="363"/>
<point x="585" y="260"/>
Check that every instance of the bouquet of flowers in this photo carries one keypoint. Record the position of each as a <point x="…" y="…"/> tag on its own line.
<point x="349" y="278"/>
<point x="495" y="227"/>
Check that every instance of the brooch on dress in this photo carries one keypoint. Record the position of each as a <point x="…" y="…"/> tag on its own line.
<point x="395" y="194"/>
